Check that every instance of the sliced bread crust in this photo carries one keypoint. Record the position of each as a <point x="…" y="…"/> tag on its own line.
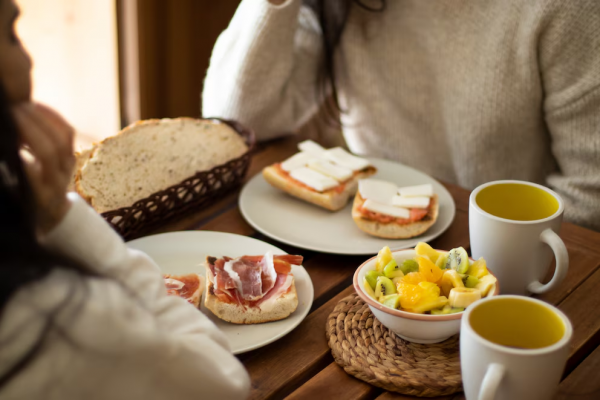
<point x="330" y="199"/>
<point x="236" y="314"/>
<point x="392" y="230"/>
<point x="152" y="155"/>
<point x="81" y="158"/>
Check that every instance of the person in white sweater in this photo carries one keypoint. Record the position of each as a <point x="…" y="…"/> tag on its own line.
<point x="81" y="315"/>
<point x="467" y="91"/>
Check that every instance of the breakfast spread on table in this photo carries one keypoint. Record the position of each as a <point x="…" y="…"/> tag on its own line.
<point x="432" y="282"/>
<point x="325" y="177"/>
<point x="385" y="210"/>
<point x="150" y="156"/>
<point x="251" y="289"/>
<point x="189" y="287"/>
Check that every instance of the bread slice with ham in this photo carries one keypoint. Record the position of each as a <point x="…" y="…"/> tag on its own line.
<point x="251" y="289"/>
<point x="189" y="287"/>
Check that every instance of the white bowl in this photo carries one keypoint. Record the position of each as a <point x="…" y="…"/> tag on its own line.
<point x="417" y="328"/>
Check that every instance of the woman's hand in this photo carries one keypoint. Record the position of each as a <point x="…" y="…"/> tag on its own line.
<point x="47" y="137"/>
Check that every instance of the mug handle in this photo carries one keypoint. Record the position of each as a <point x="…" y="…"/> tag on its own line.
<point x="491" y="381"/>
<point x="561" y="256"/>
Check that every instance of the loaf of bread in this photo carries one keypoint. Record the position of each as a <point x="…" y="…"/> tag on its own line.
<point x="152" y="155"/>
<point x="81" y="158"/>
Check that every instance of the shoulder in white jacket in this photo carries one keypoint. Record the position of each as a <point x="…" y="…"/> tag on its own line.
<point x="115" y="334"/>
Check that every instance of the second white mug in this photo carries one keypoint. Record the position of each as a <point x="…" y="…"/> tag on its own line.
<point x="514" y="225"/>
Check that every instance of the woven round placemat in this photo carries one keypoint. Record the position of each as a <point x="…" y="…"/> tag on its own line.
<point x="369" y="351"/>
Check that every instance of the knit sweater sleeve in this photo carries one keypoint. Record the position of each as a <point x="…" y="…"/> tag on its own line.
<point x="570" y="64"/>
<point x="263" y="68"/>
<point x="125" y="337"/>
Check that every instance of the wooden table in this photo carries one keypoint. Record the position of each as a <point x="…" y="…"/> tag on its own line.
<point x="300" y="365"/>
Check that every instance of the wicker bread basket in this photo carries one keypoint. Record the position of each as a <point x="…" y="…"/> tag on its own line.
<point x="193" y="193"/>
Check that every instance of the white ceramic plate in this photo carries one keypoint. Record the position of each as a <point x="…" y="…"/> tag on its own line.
<point x="298" y="223"/>
<point x="185" y="252"/>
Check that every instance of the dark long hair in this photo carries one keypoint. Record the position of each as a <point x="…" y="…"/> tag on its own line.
<point x="22" y="259"/>
<point x="333" y="16"/>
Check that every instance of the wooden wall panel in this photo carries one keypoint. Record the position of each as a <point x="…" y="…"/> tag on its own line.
<point x="176" y="38"/>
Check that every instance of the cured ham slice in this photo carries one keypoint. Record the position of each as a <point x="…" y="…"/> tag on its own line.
<point x="251" y="280"/>
<point x="188" y="287"/>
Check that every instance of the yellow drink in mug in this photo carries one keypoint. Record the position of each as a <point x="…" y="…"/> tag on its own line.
<point x="509" y="222"/>
<point x="513" y="347"/>
<point x="517" y="202"/>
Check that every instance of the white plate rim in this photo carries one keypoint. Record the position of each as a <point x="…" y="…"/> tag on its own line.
<point x="305" y="298"/>
<point x="324" y="249"/>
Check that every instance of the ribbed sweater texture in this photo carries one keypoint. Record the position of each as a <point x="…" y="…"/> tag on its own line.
<point x="466" y="91"/>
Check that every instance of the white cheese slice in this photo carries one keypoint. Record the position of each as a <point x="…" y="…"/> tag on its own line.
<point x="380" y="191"/>
<point x="313" y="179"/>
<point x="398" y="212"/>
<point x="308" y="146"/>
<point x="411" y="202"/>
<point x="419" y="190"/>
<point x="335" y="171"/>
<point x="298" y="160"/>
<point x="339" y="156"/>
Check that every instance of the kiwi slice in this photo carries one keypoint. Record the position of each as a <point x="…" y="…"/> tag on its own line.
<point x="409" y="266"/>
<point x="371" y="277"/>
<point x="447" y="310"/>
<point x="470" y="281"/>
<point x="392" y="270"/>
<point x="392" y="300"/>
<point x="458" y="259"/>
<point x="384" y="287"/>
<point x="442" y="262"/>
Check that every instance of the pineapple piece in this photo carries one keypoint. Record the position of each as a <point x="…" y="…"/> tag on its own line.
<point x="485" y="284"/>
<point x="478" y="268"/>
<point x="368" y="289"/>
<point x="430" y="304"/>
<point x="451" y="279"/>
<point x="423" y="249"/>
<point x="383" y="258"/>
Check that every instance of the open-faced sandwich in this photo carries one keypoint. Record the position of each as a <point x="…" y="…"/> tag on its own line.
<point x="188" y="287"/>
<point x="325" y="177"/>
<point x="251" y="289"/>
<point x="384" y="210"/>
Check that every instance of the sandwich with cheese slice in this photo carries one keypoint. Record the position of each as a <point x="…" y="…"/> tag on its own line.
<point x="325" y="177"/>
<point x="385" y="210"/>
<point x="251" y="289"/>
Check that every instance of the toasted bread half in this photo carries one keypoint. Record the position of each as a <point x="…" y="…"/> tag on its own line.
<point x="332" y="199"/>
<point x="237" y="314"/>
<point x="394" y="230"/>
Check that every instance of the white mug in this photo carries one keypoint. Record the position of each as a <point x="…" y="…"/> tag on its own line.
<point x="513" y="348"/>
<point x="514" y="225"/>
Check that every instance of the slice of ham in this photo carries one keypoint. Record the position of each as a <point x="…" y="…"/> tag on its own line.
<point x="252" y="279"/>
<point x="282" y="285"/>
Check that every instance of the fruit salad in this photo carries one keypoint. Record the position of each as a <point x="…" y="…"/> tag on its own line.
<point x="432" y="283"/>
